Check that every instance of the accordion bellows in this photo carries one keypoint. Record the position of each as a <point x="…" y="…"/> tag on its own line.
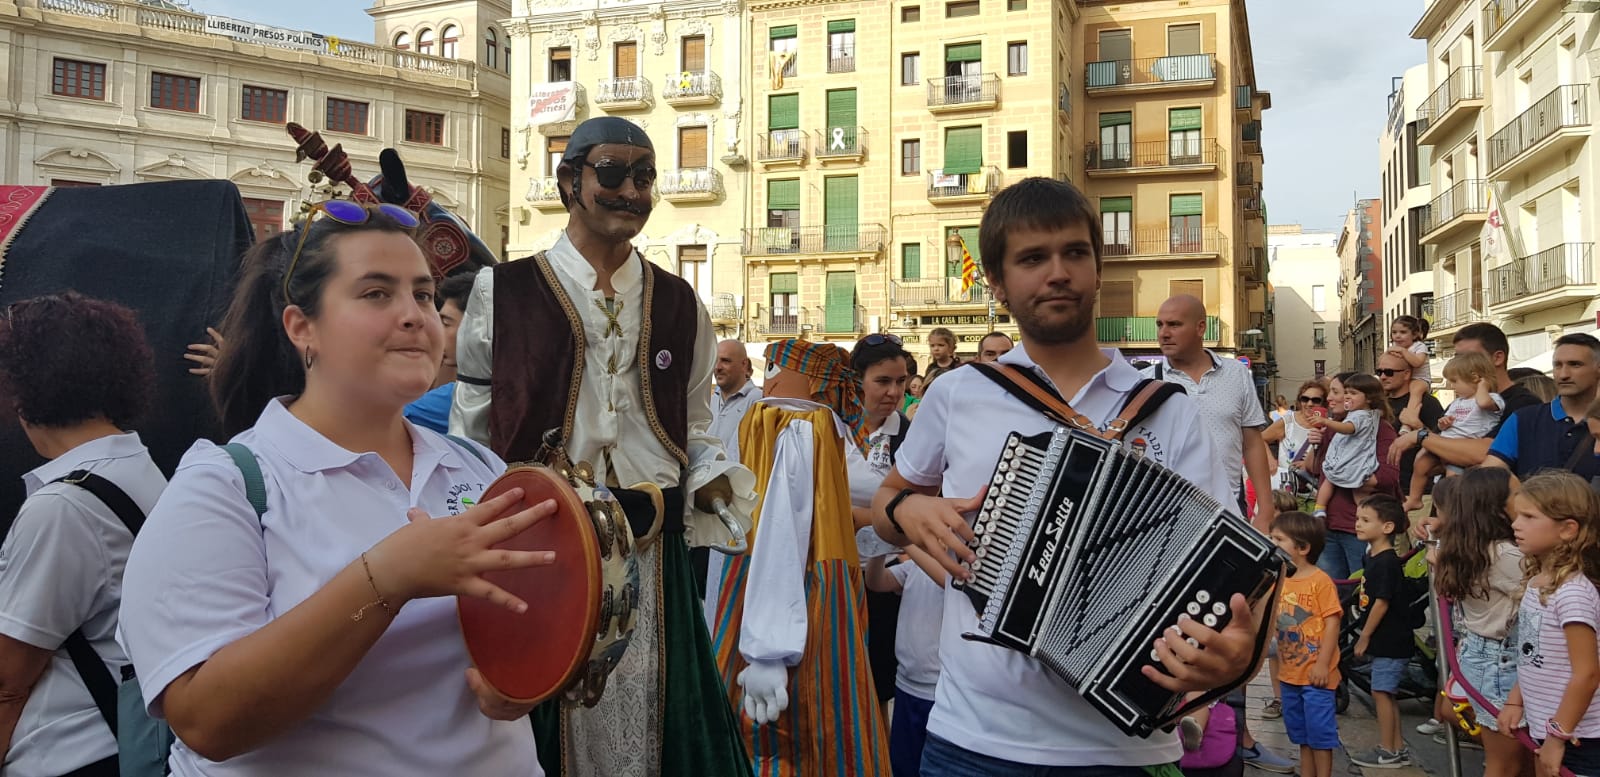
<point x="1087" y="551"/>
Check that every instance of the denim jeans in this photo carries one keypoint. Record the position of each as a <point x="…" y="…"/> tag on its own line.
<point x="943" y="759"/>
<point x="1342" y="556"/>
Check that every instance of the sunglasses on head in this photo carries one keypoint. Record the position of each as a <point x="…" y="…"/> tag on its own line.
<point x="611" y="175"/>
<point x="1387" y="373"/>
<point x="1305" y="400"/>
<point x="880" y="339"/>
<point x="344" y="212"/>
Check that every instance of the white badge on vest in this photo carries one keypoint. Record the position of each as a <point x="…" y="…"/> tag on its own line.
<point x="663" y="359"/>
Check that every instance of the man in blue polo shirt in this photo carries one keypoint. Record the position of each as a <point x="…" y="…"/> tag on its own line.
<point x="1553" y="435"/>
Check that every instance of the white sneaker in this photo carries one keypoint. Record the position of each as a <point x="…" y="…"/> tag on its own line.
<point x="1431" y="727"/>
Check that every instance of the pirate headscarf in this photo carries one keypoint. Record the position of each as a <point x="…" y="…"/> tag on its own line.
<point x="833" y="383"/>
<point x="599" y="131"/>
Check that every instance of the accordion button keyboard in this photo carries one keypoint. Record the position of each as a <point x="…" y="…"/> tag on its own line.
<point x="1219" y="609"/>
<point x="1209" y="620"/>
<point x="1202" y="596"/>
<point x="1193" y="608"/>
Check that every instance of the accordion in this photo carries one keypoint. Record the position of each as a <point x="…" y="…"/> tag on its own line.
<point x="1087" y="551"/>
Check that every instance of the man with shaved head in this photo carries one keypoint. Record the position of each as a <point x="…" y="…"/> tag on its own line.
<point x="733" y="396"/>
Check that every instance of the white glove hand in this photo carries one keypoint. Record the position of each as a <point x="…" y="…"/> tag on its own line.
<point x="766" y="693"/>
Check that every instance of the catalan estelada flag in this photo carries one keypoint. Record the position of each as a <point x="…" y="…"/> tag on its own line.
<point x="969" y="267"/>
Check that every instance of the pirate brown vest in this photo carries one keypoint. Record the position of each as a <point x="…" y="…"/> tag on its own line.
<point x="539" y="350"/>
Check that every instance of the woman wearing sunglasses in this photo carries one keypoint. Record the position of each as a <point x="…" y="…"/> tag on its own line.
<point x="313" y="630"/>
<point x="1289" y="433"/>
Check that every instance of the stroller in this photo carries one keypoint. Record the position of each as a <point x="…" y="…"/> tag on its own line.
<point x="1421" y="679"/>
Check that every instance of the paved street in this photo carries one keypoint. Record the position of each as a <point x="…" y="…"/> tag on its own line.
<point x="1358" y="728"/>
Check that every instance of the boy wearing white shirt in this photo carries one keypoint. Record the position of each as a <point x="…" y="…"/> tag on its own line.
<point x="996" y="711"/>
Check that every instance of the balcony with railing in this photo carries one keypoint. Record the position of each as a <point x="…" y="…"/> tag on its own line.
<point x="724" y="310"/>
<point x="1456" y="100"/>
<point x="1555" y="276"/>
<point x="1558" y="121"/>
<point x="1506" y="21"/>
<point x="841" y="62"/>
<point x="1456" y="310"/>
<point x="781" y="147"/>
<point x="1164" y="243"/>
<point x="692" y="87"/>
<point x="544" y="194"/>
<point x="852" y="239"/>
<point x="1244" y="100"/>
<point x="1250" y="136"/>
<point x="846" y="320"/>
<point x="1460" y="208"/>
<point x="1251" y="203"/>
<point x="624" y="94"/>
<point x="1178" y="154"/>
<point x="956" y="188"/>
<point x="841" y="144"/>
<point x="690" y="184"/>
<point x="170" y="19"/>
<point x="935" y="293"/>
<point x="1244" y="175"/>
<point x="978" y="91"/>
<point x="1253" y="264"/>
<point x="782" y="322"/>
<point x="1143" y="330"/>
<point x="1184" y="71"/>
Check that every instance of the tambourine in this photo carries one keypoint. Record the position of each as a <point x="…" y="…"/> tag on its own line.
<point x="580" y="608"/>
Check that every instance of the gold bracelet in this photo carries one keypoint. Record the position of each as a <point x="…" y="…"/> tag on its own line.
<point x="381" y="602"/>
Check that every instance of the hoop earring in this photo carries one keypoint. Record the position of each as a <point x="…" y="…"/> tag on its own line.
<point x="309" y="359"/>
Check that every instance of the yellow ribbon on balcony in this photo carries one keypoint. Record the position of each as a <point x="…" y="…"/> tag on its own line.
<point x="685" y="81"/>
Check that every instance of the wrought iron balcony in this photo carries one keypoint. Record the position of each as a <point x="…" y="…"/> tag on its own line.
<point x="935" y="292"/>
<point x="1504" y="21"/>
<point x="1175" y="155"/>
<point x="1166" y="243"/>
<point x="1454" y="99"/>
<point x="841" y="62"/>
<point x="692" y="87"/>
<point x="1558" y="119"/>
<point x="841" y="143"/>
<point x="1252" y="204"/>
<point x="783" y="322"/>
<point x="1457" y="309"/>
<point x="690" y="184"/>
<point x="544" y="194"/>
<point x="1465" y="204"/>
<point x="631" y="93"/>
<point x="1564" y="266"/>
<point x="860" y="239"/>
<point x="1143" y="330"/>
<point x="724" y="310"/>
<point x="963" y="187"/>
<point x="952" y="93"/>
<point x="779" y="146"/>
<point x="1183" y="71"/>
<point x="1244" y="174"/>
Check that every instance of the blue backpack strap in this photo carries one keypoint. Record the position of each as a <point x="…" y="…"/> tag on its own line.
<point x="468" y="447"/>
<point x="255" y="486"/>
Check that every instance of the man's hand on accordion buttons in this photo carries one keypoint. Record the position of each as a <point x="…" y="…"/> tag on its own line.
<point x="939" y="526"/>
<point x="766" y="690"/>
<point x="1214" y="658"/>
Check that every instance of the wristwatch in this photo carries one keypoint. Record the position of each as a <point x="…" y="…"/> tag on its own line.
<point x="1422" y="434"/>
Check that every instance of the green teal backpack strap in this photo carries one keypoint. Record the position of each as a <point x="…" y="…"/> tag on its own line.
<point x="255" y="487"/>
<point x="468" y="447"/>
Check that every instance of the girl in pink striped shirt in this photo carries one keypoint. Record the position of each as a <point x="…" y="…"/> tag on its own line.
<point x="1557" y="526"/>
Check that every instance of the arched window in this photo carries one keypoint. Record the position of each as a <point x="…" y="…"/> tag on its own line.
<point x="425" y="41"/>
<point x="403" y="41"/>
<point x="447" y="41"/>
<point x="491" y="47"/>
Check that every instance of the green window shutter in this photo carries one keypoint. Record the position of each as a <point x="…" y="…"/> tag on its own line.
<point x="840" y="302"/>
<point x="963" y="150"/>
<point x="842" y="25"/>
<point x="786" y="31"/>
<point x="783" y="111"/>
<point x="911" y="261"/>
<point x="842" y="108"/>
<point x="783" y="194"/>
<point x="964" y="52"/>
<point x="840" y="209"/>
<point x="1187" y="205"/>
<point x="1183" y="119"/>
<point x="1116" y="119"/>
<point x="1116" y="204"/>
<point x="784" y="283"/>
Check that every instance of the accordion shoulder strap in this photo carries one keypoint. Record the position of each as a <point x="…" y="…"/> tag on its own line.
<point x="1034" y="392"/>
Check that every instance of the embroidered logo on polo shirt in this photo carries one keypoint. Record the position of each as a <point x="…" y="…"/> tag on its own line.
<point x="663" y="359"/>
<point x="462" y="497"/>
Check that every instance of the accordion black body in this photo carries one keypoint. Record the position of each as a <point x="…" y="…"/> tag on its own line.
<point x="1087" y="551"/>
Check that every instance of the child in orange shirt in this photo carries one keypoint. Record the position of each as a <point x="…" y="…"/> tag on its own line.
<point x="1308" y="650"/>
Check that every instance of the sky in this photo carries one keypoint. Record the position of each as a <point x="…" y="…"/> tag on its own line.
<point x="1328" y="65"/>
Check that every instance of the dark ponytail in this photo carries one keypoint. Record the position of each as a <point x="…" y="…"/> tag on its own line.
<point x="257" y="361"/>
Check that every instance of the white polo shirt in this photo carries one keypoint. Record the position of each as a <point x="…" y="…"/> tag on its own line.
<point x="995" y="700"/>
<point x="1229" y="404"/>
<point x="727" y="413"/>
<point x="61" y="570"/>
<point x="205" y="573"/>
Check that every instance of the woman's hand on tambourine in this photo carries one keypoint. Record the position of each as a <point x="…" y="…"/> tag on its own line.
<point x="939" y="526"/>
<point x="448" y="556"/>
<point x="491" y="703"/>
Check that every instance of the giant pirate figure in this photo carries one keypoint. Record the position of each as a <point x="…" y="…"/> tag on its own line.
<point x="592" y="340"/>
